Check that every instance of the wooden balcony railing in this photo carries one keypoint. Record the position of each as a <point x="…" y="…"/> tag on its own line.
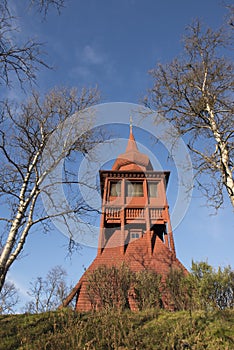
<point x="138" y="213"/>
<point x="113" y="213"/>
<point x="156" y="213"/>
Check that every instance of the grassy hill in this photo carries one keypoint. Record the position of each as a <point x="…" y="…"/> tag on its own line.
<point x="151" y="329"/>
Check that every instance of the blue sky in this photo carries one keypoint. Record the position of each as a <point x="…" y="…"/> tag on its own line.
<point x="113" y="44"/>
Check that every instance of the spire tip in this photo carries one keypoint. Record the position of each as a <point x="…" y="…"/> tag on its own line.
<point x="130" y="123"/>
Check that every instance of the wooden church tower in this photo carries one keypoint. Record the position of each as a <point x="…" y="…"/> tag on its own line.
<point x="135" y="224"/>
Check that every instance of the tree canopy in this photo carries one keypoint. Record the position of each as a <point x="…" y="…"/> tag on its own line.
<point x="29" y="152"/>
<point x="195" y="92"/>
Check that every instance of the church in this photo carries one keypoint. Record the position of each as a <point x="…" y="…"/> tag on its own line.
<point x="135" y="226"/>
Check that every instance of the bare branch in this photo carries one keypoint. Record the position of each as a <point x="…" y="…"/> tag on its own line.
<point x="194" y="92"/>
<point x="43" y="6"/>
<point x="25" y="133"/>
<point x="16" y="59"/>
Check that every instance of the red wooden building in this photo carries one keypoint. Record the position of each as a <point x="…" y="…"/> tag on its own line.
<point x="135" y="223"/>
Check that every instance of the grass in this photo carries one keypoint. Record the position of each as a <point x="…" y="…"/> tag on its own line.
<point x="127" y="330"/>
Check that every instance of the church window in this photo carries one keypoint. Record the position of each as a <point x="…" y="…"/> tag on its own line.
<point x="135" y="189"/>
<point x="115" y="189"/>
<point x="135" y="235"/>
<point x="153" y="189"/>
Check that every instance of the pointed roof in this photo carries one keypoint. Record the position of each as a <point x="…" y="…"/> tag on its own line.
<point x="132" y="159"/>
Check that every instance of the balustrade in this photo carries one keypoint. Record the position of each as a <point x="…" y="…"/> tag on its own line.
<point x="112" y="213"/>
<point x="156" y="213"/>
<point x="134" y="213"/>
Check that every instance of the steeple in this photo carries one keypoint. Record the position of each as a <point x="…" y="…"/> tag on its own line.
<point x="135" y="227"/>
<point x="131" y="146"/>
<point x="132" y="159"/>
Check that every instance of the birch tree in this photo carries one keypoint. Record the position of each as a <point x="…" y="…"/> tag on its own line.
<point x="9" y="298"/>
<point x="44" y="6"/>
<point x="25" y="132"/>
<point x="195" y="93"/>
<point x="21" y="59"/>
<point x="48" y="293"/>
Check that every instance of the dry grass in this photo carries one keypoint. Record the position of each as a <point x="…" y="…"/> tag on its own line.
<point x="152" y="329"/>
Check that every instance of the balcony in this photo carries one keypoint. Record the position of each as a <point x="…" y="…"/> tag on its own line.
<point x="156" y="213"/>
<point x="135" y="213"/>
<point x="113" y="214"/>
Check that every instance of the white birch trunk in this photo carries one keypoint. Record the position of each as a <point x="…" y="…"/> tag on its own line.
<point x="224" y="157"/>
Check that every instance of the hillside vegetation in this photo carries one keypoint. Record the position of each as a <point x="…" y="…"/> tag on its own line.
<point x="126" y="330"/>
